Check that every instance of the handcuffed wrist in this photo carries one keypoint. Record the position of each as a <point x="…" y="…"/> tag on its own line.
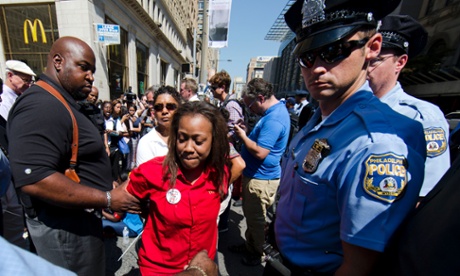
<point x="109" y="199"/>
<point x="190" y="267"/>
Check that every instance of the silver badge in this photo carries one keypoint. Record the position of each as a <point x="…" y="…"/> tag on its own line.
<point x="370" y="17"/>
<point x="313" y="12"/>
<point x="173" y="196"/>
<point x="317" y="152"/>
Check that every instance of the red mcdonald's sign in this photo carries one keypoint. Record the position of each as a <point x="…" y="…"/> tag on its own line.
<point x="33" y="27"/>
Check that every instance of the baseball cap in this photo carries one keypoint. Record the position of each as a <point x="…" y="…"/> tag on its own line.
<point x="19" y="66"/>
<point x="404" y="33"/>
<point x="318" y="23"/>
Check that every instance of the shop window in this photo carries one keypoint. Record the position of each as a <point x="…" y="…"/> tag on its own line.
<point x="117" y="64"/>
<point x="28" y="33"/>
<point x="142" y="61"/>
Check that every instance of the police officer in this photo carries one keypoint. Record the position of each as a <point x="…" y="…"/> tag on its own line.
<point x="404" y="38"/>
<point x="352" y="174"/>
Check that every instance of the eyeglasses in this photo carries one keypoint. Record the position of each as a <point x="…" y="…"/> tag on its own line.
<point x="331" y="53"/>
<point x="252" y="103"/>
<point x="25" y="80"/>
<point x="169" y="106"/>
<point x="379" y="60"/>
<point x="150" y="102"/>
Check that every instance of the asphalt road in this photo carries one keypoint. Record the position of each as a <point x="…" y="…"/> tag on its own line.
<point x="229" y="263"/>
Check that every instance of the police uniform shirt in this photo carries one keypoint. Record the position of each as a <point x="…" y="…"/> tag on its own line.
<point x="436" y="132"/>
<point x="40" y="134"/>
<point x="347" y="179"/>
<point x="298" y="107"/>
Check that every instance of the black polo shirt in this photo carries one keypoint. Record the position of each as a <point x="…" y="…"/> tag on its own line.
<point x="40" y="134"/>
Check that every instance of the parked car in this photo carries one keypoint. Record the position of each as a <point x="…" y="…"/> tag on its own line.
<point x="453" y="119"/>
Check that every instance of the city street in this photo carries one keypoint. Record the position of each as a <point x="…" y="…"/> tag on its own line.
<point x="229" y="263"/>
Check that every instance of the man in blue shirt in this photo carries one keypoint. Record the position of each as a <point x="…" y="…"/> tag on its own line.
<point x="353" y="173"/>
<point x="262" y="151"/>
<point x="404" y="37"/>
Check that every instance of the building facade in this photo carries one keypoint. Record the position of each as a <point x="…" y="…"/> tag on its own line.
<point x="256" y="67"/>
<point x="156" y="38"/>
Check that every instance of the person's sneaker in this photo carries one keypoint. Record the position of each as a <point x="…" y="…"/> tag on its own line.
<point x="240" y="248"/>
<point x="238" y="203"/>
<point x="252" y="260"/>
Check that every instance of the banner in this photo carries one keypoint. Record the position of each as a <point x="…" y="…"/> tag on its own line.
<point x="33" y="28"/>
<point x="219" y="21"/>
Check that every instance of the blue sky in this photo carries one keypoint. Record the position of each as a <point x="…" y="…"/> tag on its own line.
<point x="250" y="21"/>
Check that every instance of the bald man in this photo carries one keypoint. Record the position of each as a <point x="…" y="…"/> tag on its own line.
<point x="63" y="216"/>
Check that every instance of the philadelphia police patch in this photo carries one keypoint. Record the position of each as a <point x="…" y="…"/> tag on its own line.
<point x="386" y="176"/>
<point x="436" y="142"/>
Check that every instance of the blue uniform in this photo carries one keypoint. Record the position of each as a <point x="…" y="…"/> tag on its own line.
<point x="271" y="132"/>
<point x="353" y="177"/>
<point x="436" y="132"/>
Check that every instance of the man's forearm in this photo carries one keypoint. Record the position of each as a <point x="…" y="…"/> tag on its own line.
<point x="254" y="149"/>
<point x="59" y="190"/>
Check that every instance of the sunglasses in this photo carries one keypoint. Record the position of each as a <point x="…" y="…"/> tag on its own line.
<point x="169" y="106"/>
<point x="214" y="87"/>
<point x="331" y="53"/>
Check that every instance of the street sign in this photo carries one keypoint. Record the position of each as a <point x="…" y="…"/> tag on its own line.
<point x="108" y="33"/>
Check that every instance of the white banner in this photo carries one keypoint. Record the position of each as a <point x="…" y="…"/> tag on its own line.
<point x="219" y="21"/>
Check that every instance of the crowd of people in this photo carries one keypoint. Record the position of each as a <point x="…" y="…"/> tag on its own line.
<point x="360" y="176"/>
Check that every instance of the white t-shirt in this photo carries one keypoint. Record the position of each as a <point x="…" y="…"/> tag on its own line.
<point x="151" y="145"/>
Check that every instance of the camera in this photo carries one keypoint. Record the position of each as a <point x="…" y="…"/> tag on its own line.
<point x="273" y="256"/>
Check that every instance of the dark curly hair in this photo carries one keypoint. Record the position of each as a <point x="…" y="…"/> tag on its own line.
<point x="218" y="157"/>
<point x="167" y="90"/>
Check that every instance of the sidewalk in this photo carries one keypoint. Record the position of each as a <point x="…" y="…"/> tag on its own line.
<point x="229" y="263"/>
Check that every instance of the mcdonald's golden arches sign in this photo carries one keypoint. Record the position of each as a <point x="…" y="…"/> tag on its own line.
<point x="33" y="27"/>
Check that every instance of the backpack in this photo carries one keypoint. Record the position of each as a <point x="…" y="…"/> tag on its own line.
<point x="250" y="119"/>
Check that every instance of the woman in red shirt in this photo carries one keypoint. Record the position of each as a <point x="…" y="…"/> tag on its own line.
<point x="185" y="189"/>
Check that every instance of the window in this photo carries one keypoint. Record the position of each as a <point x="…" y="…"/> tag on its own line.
<point x="28" y="33"/>
<point x="117" y="64"/>
<point x="142" y="61"/>
<point x="163" y="72"/>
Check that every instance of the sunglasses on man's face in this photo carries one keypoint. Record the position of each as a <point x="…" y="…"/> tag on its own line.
<point x="214" y="87"/>
<point x="169" y="106"/>
<point x="331" y="53"/>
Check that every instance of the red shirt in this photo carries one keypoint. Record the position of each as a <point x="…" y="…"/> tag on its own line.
<point x="174" y="233"/>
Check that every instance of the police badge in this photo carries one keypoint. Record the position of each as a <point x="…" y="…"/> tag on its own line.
<point x="386" y="176"/>
<point x="436" y="141"/>
<point x="317" y="152"/>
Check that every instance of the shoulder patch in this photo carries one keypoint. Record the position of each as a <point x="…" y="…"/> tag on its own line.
<point x="386" y="176"/>
<point x="436" y="141"/>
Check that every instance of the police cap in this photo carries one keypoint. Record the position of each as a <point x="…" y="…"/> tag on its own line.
<point x="301" y="93"/>
<point x="402" y="32"/>
<point x="318" y="23"/>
